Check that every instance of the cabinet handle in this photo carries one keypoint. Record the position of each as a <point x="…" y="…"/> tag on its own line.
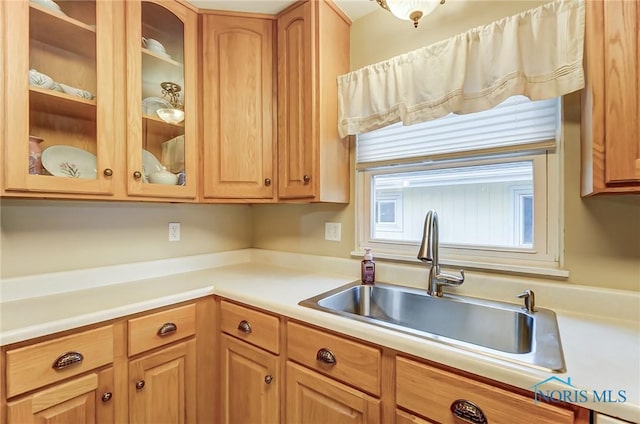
<point x="139" y="384"/>
<point x="106" y="397"/>
<point x="468" y="412"/>
<point x="267" y="182"/>
<point x="167" y="329"/>
<point x="137" y="175"/>
<point x="245" y="327"/>
<point x="108" y="172"/>
<point x="66" y="360"/>
<point x="326" y="356"/>
<point x="306" y="179"/>
<point x="268" y="379"/>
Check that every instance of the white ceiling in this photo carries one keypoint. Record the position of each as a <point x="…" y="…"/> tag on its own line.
<point x="353" y="8"/>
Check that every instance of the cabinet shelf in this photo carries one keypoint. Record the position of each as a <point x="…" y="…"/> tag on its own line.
<point x="155" y="125"/>
<point x="61" y="31"/>
<point x="163" y="60"/>
<point x="56" y="103"/>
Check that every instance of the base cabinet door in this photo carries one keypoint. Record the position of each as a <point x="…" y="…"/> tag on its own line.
<point x="162" y="386"/>
<point x="250" y="379"/>
<point x="314" y="398"/>
<point x="86" y="399"/>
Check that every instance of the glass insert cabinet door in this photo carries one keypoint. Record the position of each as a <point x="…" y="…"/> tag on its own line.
<point x="59" y="96"/>
<point x="161" y="90"/>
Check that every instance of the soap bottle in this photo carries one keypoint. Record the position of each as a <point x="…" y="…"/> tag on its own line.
<point x="368" y="268"/>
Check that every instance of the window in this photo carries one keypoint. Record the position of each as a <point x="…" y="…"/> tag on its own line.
<point x="491" y="176"/>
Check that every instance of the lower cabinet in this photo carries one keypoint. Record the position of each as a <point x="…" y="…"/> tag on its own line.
<point x="314" y="398"/>
<point x="333" y="378"/>
<point x="136" y="369"/>
<point x="163" y="386"/>
<point x="250" y="379"/>
<point x="85" y="399"/>
<point x="447" y="397"/>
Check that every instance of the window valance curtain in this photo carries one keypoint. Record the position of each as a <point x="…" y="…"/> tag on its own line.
<point x="537" y="53"/>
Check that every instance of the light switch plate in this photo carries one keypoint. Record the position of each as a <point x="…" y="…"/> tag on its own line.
<point x="332" y="231"/>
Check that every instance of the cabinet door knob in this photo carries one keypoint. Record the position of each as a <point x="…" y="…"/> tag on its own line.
<point x="66" y="360"/>
<point x="306" y="179"/>
<point x="108" y="172"/>
<point x="167" y="329"/>
<point x="268" y="379"/>
<point x="267" y="182"/>
<point x="137" y="175"/>
<point x="245" y="327"/>
<point x="139" y="384"/>
<point x="467" y="411"/>
<point x="106" y="397"/>
<point x="326" y="356"/>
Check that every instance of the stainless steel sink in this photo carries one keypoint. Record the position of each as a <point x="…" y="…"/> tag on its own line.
<point x="497" y="329"/>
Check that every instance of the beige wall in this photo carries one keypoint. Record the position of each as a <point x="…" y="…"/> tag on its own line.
<point x="602" y="235"/>
<point x="46" y="236"/>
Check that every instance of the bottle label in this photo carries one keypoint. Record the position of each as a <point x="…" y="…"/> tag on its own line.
<point x="368" y="273"/>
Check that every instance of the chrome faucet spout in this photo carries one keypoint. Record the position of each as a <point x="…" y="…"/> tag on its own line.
<point x="429" y="253"/>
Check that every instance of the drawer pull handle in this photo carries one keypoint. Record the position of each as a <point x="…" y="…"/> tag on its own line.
<point x="268" y="379"/>
<point x="139" y="384"/>
<point x="468" y="412"/>
<point x="306" y="179"/>
<point x="245" y="327"/>
<point x="326" y="356"/>
<point x="167" y="329"/>
<point x="106" y="397"/>
<point x="66" y="360"/>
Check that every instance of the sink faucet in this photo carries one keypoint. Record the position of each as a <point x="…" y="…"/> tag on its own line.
<point x="429" y="253"/>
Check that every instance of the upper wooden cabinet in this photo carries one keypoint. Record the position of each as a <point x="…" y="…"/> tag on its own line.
<point x="238" y="108"/>
<point x="60" y="87"/>
<point x="611" y="110"/>
<point x="162" y="60"/>
<point x="313" y="50"/>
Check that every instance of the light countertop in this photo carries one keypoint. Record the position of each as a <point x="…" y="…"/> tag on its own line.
<point x="602" y="349"/>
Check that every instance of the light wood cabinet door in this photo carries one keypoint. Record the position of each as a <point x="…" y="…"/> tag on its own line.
<point x="86" y="399"/>
<point x="238" y="107"/>
<point x="162" y="386"/>
<point x="49" y="56"/>
<point x="250" y="380"/>
<point x="313" y="49"/>
<point x="314" y="398"/>
<point x="443" y="397"/>
<point x="611" y="108"/>
<point x="161" y="47"/>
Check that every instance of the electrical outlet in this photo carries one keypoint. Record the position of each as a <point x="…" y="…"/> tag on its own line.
<point x="332" y="231"/>
<point x="174" y="231"/>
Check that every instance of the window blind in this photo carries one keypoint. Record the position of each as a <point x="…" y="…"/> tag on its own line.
<point x="517" y="124"/>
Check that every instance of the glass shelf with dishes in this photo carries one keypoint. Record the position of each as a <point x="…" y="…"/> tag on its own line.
<point x="162" y="82"/>
<point x="62" y="84"/>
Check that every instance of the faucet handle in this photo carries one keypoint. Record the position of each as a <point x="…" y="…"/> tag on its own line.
<point x="529" y="300"/>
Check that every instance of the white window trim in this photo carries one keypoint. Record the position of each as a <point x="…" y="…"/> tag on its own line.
<point x="545" y="258"/>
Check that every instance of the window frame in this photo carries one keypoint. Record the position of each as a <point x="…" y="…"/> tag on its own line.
<point x="544" y="257"/>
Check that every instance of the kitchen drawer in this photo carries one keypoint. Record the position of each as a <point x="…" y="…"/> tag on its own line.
<point x="354" y="363"/>
<point x="34" y="366"/>
<point x="255" y="327"/>
<point x="161" y="328"/>
<point x="430" y="392"/>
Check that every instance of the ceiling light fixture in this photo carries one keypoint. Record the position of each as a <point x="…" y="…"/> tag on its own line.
<point x="410" y="10"/>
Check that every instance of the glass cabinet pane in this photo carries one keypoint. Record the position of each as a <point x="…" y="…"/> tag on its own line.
<point x="163" y="141"/>
<point x="62" y="89"/>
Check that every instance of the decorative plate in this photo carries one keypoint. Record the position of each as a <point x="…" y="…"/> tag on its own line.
<point x="151" y="104"/>
<point x="68" y="161"/>
<point x="150" y="163"/>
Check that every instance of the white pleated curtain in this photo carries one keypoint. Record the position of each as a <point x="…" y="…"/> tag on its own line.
<point x="537" y="53"/>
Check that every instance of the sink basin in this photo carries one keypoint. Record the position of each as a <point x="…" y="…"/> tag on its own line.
<point x="497" y="329"/>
